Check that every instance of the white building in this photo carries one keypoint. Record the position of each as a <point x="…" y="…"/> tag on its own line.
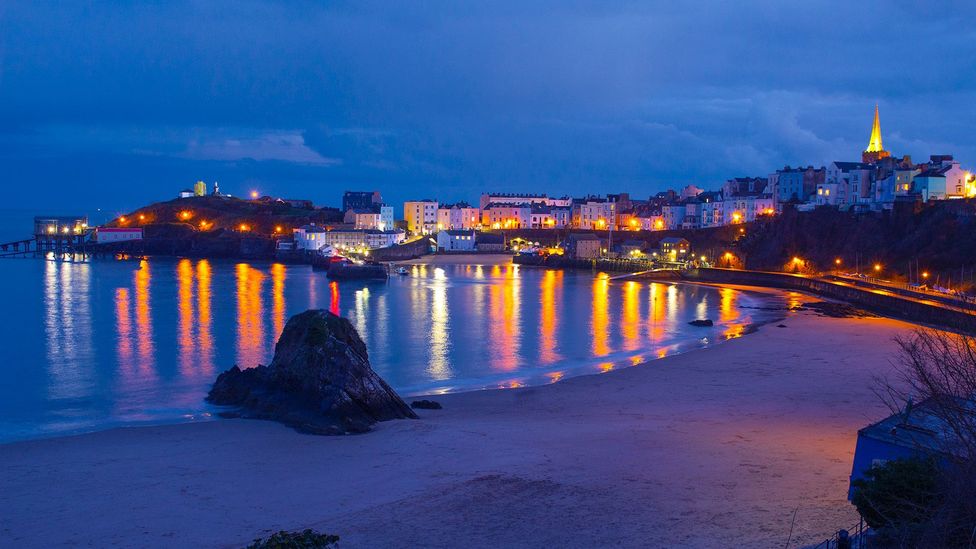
<point x="116" y="234"/>
<point x="743" y="209"/>
<point x="310" y="237"/>
<point x="595" y="213"/>
<point x="673" y="216"/>
<point x="846" y="184"/>
<point x="713" y="213"/>
<point x="313" y="237"/>
<point x="548" y="217"/>
<point x="421" y="216"/>
<point x="452" y="240"/>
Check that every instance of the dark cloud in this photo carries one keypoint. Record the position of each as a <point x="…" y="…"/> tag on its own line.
<point x="132" y="101"/>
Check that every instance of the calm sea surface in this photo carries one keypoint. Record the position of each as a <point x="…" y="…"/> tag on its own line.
<point x="92" y="345"/>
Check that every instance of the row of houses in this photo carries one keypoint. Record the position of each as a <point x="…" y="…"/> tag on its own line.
<point x="691" y="208"/>
<point x="878" y="185"/>
<point x="875" y="183"/>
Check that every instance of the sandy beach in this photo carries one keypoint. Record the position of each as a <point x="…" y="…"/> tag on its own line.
<point x="712" y="448"/>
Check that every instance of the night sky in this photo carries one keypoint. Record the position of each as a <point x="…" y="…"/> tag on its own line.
<point x="112" y="106"/>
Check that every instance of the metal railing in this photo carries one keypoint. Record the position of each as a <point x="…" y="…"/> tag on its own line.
<point x="855" y="538"/>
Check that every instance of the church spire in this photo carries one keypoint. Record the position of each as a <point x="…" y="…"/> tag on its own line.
<point x="874" y="145"/>
<point x="875" y="150"/>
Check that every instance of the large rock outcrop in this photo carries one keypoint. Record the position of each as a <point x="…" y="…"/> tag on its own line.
<point x="319" y="381"/>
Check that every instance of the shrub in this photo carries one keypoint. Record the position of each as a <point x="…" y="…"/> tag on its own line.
<point x="902" y="493"/>
<point x="306" y="539"/>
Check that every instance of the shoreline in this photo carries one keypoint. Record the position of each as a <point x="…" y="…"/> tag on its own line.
<point x="697" y="450"/>
<point x="530" y="379"/>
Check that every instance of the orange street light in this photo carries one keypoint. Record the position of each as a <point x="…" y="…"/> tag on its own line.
<point x="254" y="194"/>
<point x="244" y="227"/>
<point x="142" y="217"/>
<point x="837" y="261"/>
<point x="278" y="229"/>
<point x="122" y="219"/>
<point x="185" y="214"/>
<point x="877" y="267"/>
<point x="925" y="274"/>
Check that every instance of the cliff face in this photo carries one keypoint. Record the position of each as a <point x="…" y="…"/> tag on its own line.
<point x="319" y="381"/>
<point x="941" y="237"/>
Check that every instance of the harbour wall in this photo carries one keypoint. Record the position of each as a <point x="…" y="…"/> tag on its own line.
<point x="881" y="302"/>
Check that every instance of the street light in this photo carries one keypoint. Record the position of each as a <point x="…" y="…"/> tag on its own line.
<point x="877" y="267"/>
<point x="837" y="261"/>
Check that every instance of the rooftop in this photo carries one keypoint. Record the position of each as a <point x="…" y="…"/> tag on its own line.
<point x="918" y="427"/>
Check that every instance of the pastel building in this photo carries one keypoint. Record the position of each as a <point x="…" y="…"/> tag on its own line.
<point x="420" y="216"/>
<point x="458" y="216"/>
<point x="519" y="198"/>
<point x="507" y="216"/>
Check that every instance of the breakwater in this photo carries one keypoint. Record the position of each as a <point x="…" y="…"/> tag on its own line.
<point x="563" y="262"/>
<point x="878" y="301"/>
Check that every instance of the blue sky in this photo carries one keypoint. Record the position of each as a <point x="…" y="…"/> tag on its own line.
<point x="112" y="104"/>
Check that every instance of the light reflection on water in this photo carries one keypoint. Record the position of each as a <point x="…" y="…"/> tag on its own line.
<point x="132" y="341"/>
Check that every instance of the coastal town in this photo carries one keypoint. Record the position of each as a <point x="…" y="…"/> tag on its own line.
<point x="611" y="226"/>
<point x="488" y="275"/>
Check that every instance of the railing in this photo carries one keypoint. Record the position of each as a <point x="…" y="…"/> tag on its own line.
<point x="960" y="301"/>
<point x="20" y="247"/>
<point x="856" y="538"/>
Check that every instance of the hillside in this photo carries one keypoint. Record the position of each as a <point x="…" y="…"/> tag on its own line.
<point x="939" y="238"/>
<point x="211" y="214"/>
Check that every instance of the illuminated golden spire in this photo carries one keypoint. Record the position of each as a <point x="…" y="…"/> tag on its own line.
<point x="874" y="145"/>
<point x="875" y="151"/>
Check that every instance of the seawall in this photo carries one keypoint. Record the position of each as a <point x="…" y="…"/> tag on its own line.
<point x="881" y="302"/>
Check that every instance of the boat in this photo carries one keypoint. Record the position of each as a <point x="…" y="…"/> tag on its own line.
<point x="345" y="270"/>
<point x="402" y="271"/>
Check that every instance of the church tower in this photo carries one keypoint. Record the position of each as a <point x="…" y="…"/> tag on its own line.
<point x="875" y="150"/>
